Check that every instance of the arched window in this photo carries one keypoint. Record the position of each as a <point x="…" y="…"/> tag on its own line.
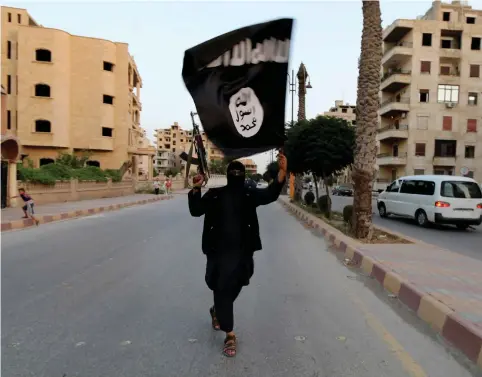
<point x="42" y="90"/>
<point x="46" y="161"/>
<point x="43" y="55"/>
<point x="42" y="125"/>
<point x="93" y="163"/>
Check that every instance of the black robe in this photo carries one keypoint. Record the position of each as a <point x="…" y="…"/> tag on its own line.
<point x="231" y="231"/>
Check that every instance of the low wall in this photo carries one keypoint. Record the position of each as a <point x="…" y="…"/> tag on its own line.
<point x="74" y="190"/>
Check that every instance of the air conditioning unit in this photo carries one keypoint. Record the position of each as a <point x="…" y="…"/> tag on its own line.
<point x="450" y="105"/>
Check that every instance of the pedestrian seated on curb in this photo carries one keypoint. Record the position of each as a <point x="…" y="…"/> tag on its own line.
<point x="156" y="187"/>
<point x="28" y="209"/>
<point x="230" y="239"/>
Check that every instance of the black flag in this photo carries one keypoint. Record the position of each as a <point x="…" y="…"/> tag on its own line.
<point x="238" y="83"/>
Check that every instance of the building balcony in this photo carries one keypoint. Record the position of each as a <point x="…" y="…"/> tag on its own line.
<point x="397" y="31"/>
<point x="393" y="106"/>
<point x="451" y="53"/>
<point x="398" y="53"/>
<point x="395" y="80"/>
<point x="385" y="159"/>
<point x="443" y="161"/>
<point x="393" y="132"/>
<point x="136" y="101"/>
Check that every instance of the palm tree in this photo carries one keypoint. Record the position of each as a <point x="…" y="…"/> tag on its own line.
<point x="367" y="106"/>
<point x="302" y="74"/>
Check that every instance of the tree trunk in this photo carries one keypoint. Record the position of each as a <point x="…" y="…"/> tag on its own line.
<point x="326" y="183"/>
<point x="367" y="118"/>
<point x="302" y="75"/>
<point x="315" y="180"/>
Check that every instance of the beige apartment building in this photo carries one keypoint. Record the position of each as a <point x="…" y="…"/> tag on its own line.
<point x="172" y="141"/>
<point x="250" y="165"/>
<point x="68" y="93"/>
<point x="343" y="111"/>
<point x="431" y="95"/>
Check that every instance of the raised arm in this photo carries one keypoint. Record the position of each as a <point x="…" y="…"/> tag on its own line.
<point x="197" y="202"/>
<point x="273" y="191"/>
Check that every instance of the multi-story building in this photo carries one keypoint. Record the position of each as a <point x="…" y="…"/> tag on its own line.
<point x="431" y="105"/>
<point x="343" y="111"/>
<point x="250" y="165"/>
<point x="164" y="160"/>
<point x="145" y="163"/>
<point x="68" y="93"/>
<point x="176" y="140"/>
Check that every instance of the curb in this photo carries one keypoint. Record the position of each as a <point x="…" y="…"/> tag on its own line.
<point x="44" y="219"/>
<point x="460" y="333"/>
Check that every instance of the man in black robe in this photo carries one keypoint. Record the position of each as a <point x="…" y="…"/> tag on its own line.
<point x="230" y="238"/>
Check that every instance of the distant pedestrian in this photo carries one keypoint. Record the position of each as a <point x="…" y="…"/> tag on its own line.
<point x="28" y="207"/>
<point x="168" y="185"/>
<point x="156" y="187"/>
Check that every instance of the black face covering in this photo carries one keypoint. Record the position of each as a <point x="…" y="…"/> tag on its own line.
<point x="236" y="174"/>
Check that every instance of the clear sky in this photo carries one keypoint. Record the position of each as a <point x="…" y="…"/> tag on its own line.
<point x="326" y="38"/>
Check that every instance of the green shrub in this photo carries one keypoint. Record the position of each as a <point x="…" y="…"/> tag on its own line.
<point x="309" y="198"/>
<point x="38" y="176"/>
<point x="90" y="173"/>
<point x="113" y="174"/>
<point x="348" y="214"/>
<point x="324" y="204"/>
<point x="58" y="171"/>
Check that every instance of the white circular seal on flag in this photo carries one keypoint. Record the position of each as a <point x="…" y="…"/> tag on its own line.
<point x="247" y="112"/>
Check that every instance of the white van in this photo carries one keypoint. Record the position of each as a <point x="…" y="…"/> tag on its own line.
<point x="440" y="199"/>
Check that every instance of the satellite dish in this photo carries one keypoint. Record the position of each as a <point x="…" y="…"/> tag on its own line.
<point x="464" y="170"/>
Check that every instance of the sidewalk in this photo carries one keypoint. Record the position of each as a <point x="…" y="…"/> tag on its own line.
<point x="12" y="217"/>
<point x="443" y="288"/>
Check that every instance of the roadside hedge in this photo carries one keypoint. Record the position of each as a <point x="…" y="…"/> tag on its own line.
<point x="49" y="174"/>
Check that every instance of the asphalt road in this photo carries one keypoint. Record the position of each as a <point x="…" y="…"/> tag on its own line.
<point x="466" y="242"/>
<point x="122" y="294"/>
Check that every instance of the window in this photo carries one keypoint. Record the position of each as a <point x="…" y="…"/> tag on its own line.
<point x="106" y="131"/>
<point x="43" y="55"/>
<point x="445" y="70"/>
<point x="109" y="100"/>
<point x="446" y="43"/>
<point x="424" y="95"/>
<point x="93" y="163"/>
<point x="9" y="50"/>
<point x="473" y="99"/>
<point x="42" y="90"/>
<point x="445" y="148"/>
<point x="446" y="16"/>
<point x="19" y="18"/>
<point x="470" y="151"/>
<point x="460" y="189"/>
<point x="9" y="119"/>
<point x="9" y="17"/>
<point x="475" y="45"/>
<point x="425" y="67"/>
<point x="427" y="39"/>
<point x="420" y="149"/>
<point x="418" y="187"/>
<point x="16" y="84"/>
<point x="9" y="84"/>
<point x="422" y="122"/>
<point x="471" y="125"/>
<point x="418" y="171"/>
<point x="474" y="70"/>
<point x="42" y="125"/>
<point x="470" y="20"/>
<point x="448" y="93"/>
<point x="344" y="110"/>
<point x="108" y="66"/>
<point x="394" y="187"/>
<point x="45" y="161"/>
<point x="447" y="123"/>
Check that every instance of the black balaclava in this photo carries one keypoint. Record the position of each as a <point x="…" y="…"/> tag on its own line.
<point x="236" y="174"/>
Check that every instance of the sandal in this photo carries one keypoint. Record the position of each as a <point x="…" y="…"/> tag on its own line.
<point x="214" y="320"/>
<point x="229" y="349"/>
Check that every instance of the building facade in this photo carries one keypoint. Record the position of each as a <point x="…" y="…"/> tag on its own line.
<point x="431" y="104"/>
<point x="172" y="141"/>
<point x="68" y="93"/>
<point x="250" y="165"/>
<point x="343" y="111"/>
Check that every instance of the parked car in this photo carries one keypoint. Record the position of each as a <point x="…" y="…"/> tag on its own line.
<point x="439" y="199"/>
<point x="250" y="183"/>
<point x="343" y="190"/>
